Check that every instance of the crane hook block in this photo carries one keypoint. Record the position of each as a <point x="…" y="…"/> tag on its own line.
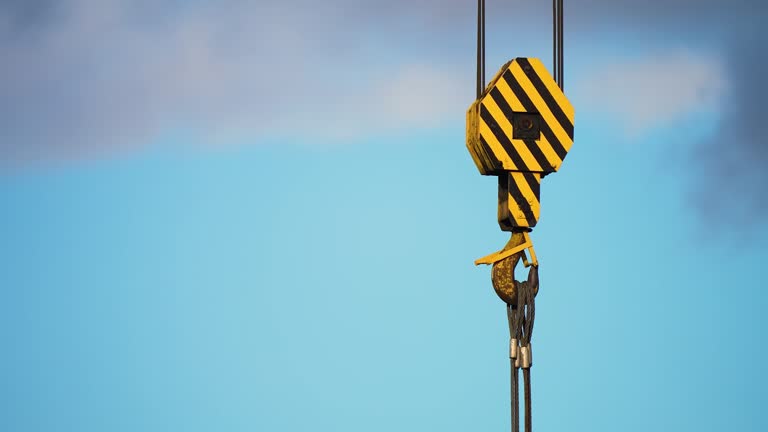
<point x="520" y="129"/>
<point x="522" y="122"/>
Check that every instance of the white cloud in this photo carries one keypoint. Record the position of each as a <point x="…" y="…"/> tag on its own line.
<point x="94" y="75"/>
<point x="102" y="75"/>
<point x="654" y="91"/>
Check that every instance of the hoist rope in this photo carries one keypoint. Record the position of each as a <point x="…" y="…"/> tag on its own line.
<point x="558" y="55"/>
<point x="514" y="335"/>
<point x="555" y="40"/>
<point x="527" y="312"/>
<point x="480" y="47"/>
<point x="521" y="315"/>
<point x="558" y="41"/>
<point x="528" y="414"/>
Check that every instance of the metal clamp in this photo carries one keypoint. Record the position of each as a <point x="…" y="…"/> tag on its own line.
<point x="513" y="349"/>
<point x="524" y="360"/>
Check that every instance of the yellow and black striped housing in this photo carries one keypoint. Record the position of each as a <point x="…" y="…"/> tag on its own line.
<point x="519" y="202"/>
<point x="520" y="129"/>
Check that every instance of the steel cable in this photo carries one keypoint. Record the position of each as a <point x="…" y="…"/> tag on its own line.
<point x="555" y="39"/>
<point x="514" y="384"/>
<point x="558" y="41"/>
<point x="480" y="47"/>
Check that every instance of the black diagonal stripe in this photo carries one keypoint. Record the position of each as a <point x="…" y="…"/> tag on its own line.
<point x="532" y="183"/>
<point x="538" y="84"/>
<point x="530" y="107"/>
<point x="490" y="156"/>
<point x="522" y="203"/>
<point x="502" y="103"/>
<point x="553" y="141"/>
<point x="503" y="139"/>
<point x="538" y="154"/>
<point x="497" y="165"/>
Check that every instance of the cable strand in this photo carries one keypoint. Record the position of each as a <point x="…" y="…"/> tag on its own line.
<point x="527" y="397"/>
<point x="555" y="39"/>
<point x="514" y="334"/>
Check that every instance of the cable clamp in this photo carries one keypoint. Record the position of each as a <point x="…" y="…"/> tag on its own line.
<point x="525" y="359"/>
<point x="513" y="348"/>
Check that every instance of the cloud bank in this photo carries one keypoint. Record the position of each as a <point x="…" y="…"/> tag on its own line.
<point x="732" y="182"/>
<point x="654" y="91"/>
<point x="83" y="77"/>
<point x="94" y="76"/>
<point x="90" y="76"/>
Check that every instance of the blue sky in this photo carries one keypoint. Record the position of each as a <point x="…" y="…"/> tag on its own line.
<point x="248" y="265"/>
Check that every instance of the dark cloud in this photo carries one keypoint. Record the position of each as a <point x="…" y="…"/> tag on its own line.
<point x="731" y="187"/>
<point x="26" y="14"/>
